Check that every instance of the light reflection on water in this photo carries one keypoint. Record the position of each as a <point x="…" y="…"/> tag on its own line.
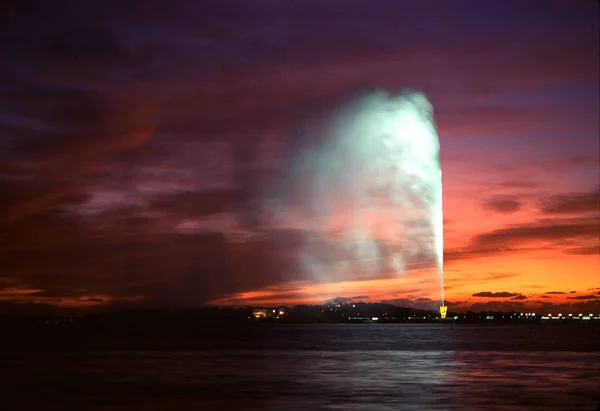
<point x="328" y="368"/>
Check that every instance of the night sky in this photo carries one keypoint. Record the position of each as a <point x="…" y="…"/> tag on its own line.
<point x="139" y="142"/>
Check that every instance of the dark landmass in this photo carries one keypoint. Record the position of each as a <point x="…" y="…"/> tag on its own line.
<point x="188" y="329"/>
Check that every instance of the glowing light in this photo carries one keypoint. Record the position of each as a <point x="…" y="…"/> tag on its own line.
<point x="443" y="311"/>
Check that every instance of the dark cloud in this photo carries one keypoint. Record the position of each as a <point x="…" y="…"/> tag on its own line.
<point x="498" y="121"/>
<point x="339" y="300"/>
<point x="455" y="302"/>
<point x="425" y="303"/>
<point x="483" y="278"/>
<point x="20" y="199"/>
<point x="573" y="203"/>
<point x="503" y="204"/>
<point x="543" y="230"/>
<point x="584" y="159"/>
<point x="163" y="268"/>
<point x="584" y="297"/>
<point x="512" y="238"/>
<point x="519" y="297"/>
<point x="555" y="292"/>
<point x="589" y="250"/>
<point x="501" y="294"/>
<point x="589" y="306"/>
<point x="519" y="184"/>
<point x="196" y="203"/>
<point x="34" y="308"/>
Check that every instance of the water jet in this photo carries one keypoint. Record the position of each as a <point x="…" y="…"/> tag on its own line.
<point x="369" y="192"/>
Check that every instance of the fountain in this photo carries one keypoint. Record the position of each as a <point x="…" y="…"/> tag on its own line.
<point x="369" y="192"/>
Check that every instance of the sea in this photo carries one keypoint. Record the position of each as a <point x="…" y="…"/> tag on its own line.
<point x="341" y="367"/>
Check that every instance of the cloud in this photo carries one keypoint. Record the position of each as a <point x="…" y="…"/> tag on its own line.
<point x="513" y="184"/>
<point x="573" y="203"/>
<point x="455" y="302"/>
<point x="584" y="159"/>
<point x="519" y="297"/>
<point x="31" y="308"/>
<point x="512" y="238"/>
<point x="451" y="282"/>
<point x="555" y="292"/>
<point x="501" y="294"/>
<point x="584" y="297"/>
<point x="338" y="300"/>
<point x="421" y="303"/>
<point x="502" y="204"/>
<point x="95" y="300"/>
<point x="195" y="203"/>
<point x="20" y="199"/>
<point x="542" y="230"/>
<point x="589" y="250"/>
<point x="587" y="306"/>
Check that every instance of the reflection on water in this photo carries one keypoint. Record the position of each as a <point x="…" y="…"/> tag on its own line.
<point x="326" y="367"/>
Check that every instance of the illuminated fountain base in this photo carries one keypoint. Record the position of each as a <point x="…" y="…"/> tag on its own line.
<point x="443" y="311"/>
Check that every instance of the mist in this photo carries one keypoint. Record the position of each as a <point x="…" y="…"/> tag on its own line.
<point x="365" y="187"/>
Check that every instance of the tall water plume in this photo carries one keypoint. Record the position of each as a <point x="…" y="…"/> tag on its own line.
<point x="368" y="191"/>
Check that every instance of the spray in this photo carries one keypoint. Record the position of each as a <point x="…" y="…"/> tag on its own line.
<point x="368" y="191"/>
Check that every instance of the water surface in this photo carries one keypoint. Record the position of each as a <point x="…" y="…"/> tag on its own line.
<point x="369" y="367"/>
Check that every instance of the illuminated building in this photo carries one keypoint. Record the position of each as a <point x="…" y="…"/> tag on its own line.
<point x="264" y="313"/>
<point x="259" y="313"/>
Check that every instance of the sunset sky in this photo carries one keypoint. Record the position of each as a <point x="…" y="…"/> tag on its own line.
<point x="140" y="146"/>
